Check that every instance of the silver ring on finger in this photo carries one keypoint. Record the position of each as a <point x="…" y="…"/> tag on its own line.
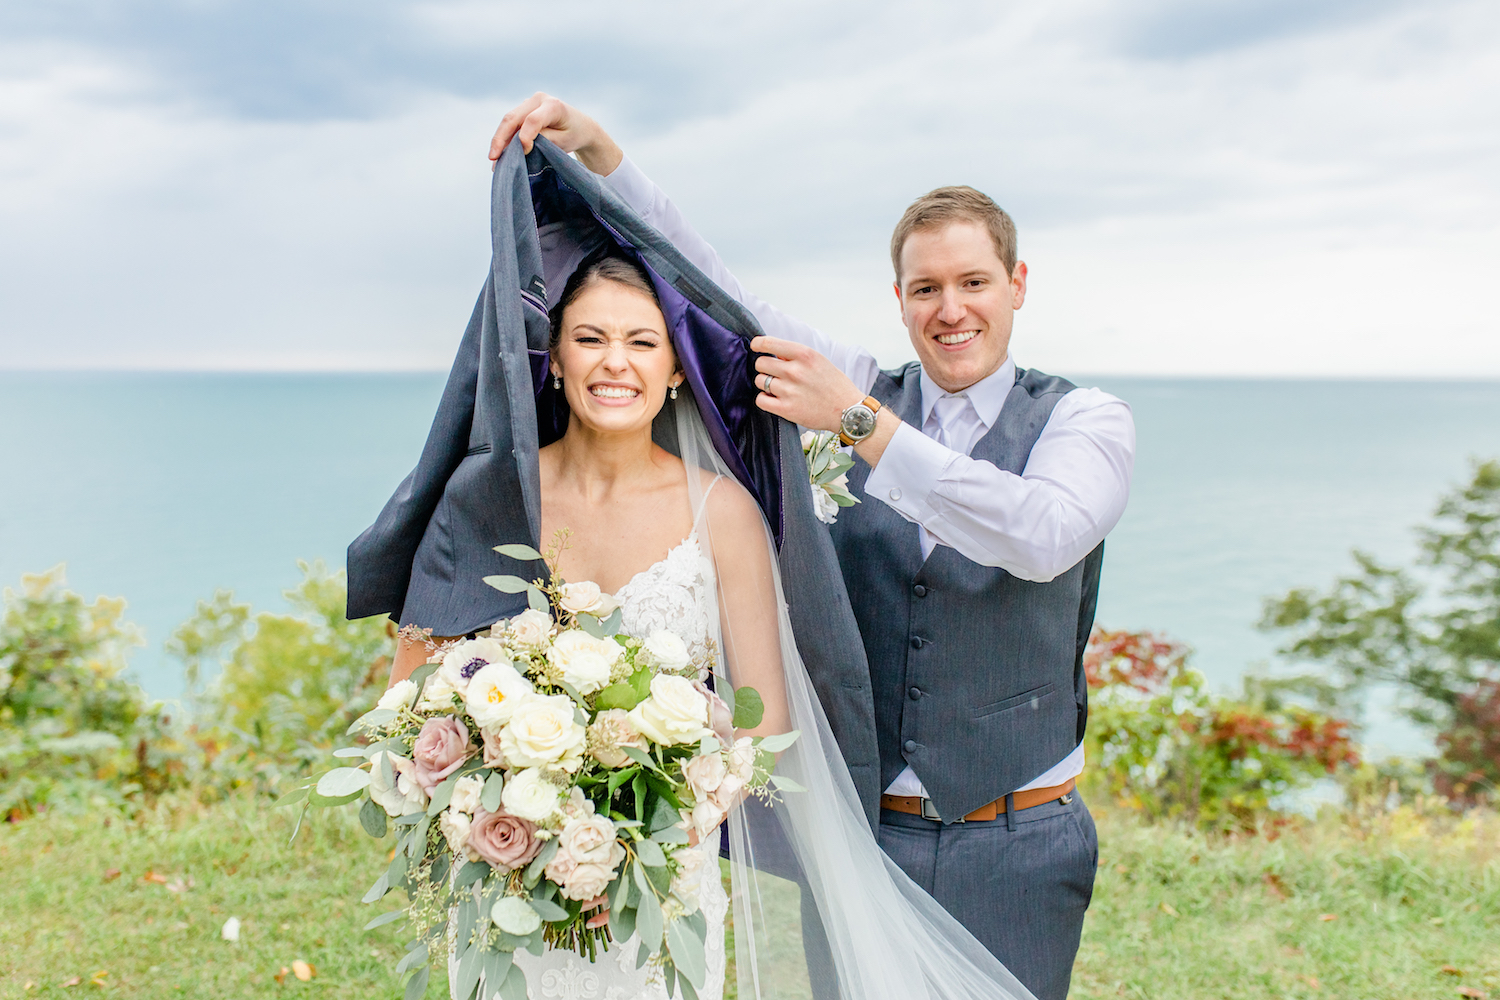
<point x="766" y="385"/>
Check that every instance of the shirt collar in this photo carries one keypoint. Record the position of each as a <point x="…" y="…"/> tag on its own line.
<point x="987" y="396"/>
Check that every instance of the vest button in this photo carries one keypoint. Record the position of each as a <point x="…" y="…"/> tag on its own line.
<point x="919" y="590"/>
<point x="914" y="692"/>
<point x="916" y="642"/>
<point x="895" y="494"/>
<point x="910" y="746"/>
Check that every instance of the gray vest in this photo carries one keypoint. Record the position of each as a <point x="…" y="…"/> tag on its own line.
<point x="977" y="675"/>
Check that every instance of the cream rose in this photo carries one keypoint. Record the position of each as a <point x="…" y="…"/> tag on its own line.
<point x="688" y="882"/>
<point x="530" y="628"/>
<point x="493" y="694"/>
<point x="585" y="597"/>
<point x="543" y="731"/>
<point x="668" y="648"/>
<point x="584" y="661"/>
<point x="404" y="795"/>
<point x="530" y="796"/>
<point x="588" y="840"/>
<point x="704" y="774"/>
<point x="584" y="881"/>
<point x="455" y="829"/>
<point x="437" y="695"/>
<point x="467" y="658"/>
<point x="705" y="818"/>
<point x="398" y="696"/>
<point x="466" y="792"/>
<point x="608" y="733"/>
<point x="675" y="712"/>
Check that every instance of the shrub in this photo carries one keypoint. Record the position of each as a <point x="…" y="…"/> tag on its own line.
<point x="1167" y="748"/>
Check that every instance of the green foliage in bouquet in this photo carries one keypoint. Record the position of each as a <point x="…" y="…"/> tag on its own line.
<point x="828" y="468"/>
<point x="1166" y="747"/>
<point x="1431" y="632"/>
<point x="540" y="774"/>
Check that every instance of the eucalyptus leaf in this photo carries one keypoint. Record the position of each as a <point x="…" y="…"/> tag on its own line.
<point x="591" y="625"/>
<point x="514" y="986"/>
<point x="471" y="872"/>
<point x="373" y="718"/>
<point x="537" y="601"/>
<point x="664" y="814"/>
<point x="440" y="866"/>
<point x="410" y="819"/>
<point x="642" y="955"/>
<point x="698" y="922"/>
<point x="537" y="943"/>
<point x="648" y="922"/>
<point x="468" y="916"/>
<point x="416" y="986"/>
<point x="396" y="874"/>
<point x="343" y="781"/>
<point x="293" y="797"/>
<point x="507" y="584"/>
<point x="549" y="910"/>
<point x="349" y="752"/>
<point x="725" y="691"/>
<point x="372" y="818"/>
<point x="387" y="772"/>
<point x="385" y="918"/>
<point x="417" y="956"/>
<point x="572" y="692"/>
<point x="621" y="922"/>
<point x="442" y="795"/>
<point x="779" y="742"/>
<point x="640" y="757"/>
<point x="378" y="890"/>
<point x="785" y="784"/>
<point x="611" y="624"/>
<point x="673" y="834"/>
<point x="525" y="553"/>
<point x="497" y="966"/>
<point x="669" y="978"/>
<point x="489" y="799"/>
<point x="419" y="676"/>
<point x="534" y="870"/>
<point x="687" y="952"/>
<point x="688" y="993"/>
<point x="749" y="709"/>
<point x="466" y="976"/>
<point x="324" y="802"/>
<point x="650" y="853"/>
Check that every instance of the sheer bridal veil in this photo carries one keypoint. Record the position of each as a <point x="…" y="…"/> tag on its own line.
<point x="866" y="927"/>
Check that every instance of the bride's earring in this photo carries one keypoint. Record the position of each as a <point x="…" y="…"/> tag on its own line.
<point x="674" y="392"/>
<point x="557" y="381"/>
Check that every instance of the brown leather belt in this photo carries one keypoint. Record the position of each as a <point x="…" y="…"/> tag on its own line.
<point x="916" y="805"/>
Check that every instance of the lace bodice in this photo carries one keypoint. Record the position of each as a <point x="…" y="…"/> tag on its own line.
<point x="675" y="594"/>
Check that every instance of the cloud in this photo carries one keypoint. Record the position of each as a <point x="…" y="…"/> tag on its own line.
<point x="1241" y="187"/>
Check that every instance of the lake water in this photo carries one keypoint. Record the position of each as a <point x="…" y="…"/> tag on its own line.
<point x="162" y="487"/>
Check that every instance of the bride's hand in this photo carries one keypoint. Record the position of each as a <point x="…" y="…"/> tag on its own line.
<point x="572" y="130"/>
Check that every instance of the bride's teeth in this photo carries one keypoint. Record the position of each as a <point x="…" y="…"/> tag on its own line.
<point x="614" y="391"/>
<point x="955" y="338"/>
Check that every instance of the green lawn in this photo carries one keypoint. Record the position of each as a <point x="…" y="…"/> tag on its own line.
<point x="1174" y="914"/>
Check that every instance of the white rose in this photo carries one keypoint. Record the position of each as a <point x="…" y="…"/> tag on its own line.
<point x="705" y="819"/>
<point x="403" y="795"/>
<point x="740" y="759"/>
<point x="808" y="437"/>
<point x="494" y="692"/>
<point x="530" y="628"/>
<point x="670" y="651"/>
<point x="455" y="829"/>
<point x="588" y="840"/>
<point x="437" y="694"/>
<point x="542" y="730"/>
<point x="687" y="883"/>
<point x="466" y="792"/>
<point x="529" y="796"/>
<point x="467" y="658"/>
<point x="398" y="696"/>
<point x="585" y="662"/>
<point x="585" y="598"/>
<point x="824" y="506"/>
<point x="704" y="774"/>
<point x="583" y="882"/>
<point x="608" y="733"/>
<point x="675" y="712"/>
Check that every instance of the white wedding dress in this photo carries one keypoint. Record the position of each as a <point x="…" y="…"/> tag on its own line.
<point x="674" y="594"/>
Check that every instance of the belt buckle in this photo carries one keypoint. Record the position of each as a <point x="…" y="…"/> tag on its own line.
<point x="929" y="811"/>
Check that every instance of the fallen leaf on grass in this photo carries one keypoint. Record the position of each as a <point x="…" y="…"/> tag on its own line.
<point x="1169" y="910"/>
<point x="179" y="885"/>
<point x="153" y="876"/>
<point x="1312" y="981"/>
<point x="110" y="874"/>
<point x="73" y="982"/>
<point x="280" y="977"/>
<point x="1472" y="993"/>
<point x="1451" y="970"/>
<point x="1122" y="869"/>
<point x="303" y="970"/>
<point x="98" y="979"/>
<point x="1325" y="917"/>
<point x="1275" y="886"/>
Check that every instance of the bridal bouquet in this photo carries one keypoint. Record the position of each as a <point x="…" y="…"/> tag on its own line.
<point x="828" y="468"/>
<point x="536" y="773"/>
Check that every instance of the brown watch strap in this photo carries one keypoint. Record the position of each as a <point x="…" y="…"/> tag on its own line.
<point x="874" y="405"/>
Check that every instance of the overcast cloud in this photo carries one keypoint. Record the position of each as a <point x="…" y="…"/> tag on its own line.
<point x="1269" y="187"/>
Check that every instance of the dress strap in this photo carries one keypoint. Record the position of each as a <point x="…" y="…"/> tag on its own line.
<point x="703" y="503"/>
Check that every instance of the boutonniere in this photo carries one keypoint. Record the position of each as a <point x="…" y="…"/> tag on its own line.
<point x="828" y="465"/>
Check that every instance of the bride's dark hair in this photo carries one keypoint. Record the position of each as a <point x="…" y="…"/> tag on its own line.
<point x="620" y="270"/>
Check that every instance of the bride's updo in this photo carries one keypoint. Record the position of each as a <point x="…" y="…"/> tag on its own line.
<point x="620" y="270"/>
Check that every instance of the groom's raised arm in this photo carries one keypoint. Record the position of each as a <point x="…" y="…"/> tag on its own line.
<point x="579" y="134"/>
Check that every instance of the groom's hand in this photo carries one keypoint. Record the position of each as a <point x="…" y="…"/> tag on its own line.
<point x="808" y="389"/>
<point x="572" y="130"/>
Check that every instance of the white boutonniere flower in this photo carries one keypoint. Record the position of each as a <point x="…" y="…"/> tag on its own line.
<point x="828" y="465"/>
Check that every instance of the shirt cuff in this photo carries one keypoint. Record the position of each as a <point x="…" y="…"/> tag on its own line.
<point x="908" y="474"/>
<point x="632" y="184"/>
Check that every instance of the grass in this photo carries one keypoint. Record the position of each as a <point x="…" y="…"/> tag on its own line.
<point x="1175" y="914"/>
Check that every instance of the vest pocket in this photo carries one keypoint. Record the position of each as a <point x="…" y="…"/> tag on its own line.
<point x="1036" y="694"/>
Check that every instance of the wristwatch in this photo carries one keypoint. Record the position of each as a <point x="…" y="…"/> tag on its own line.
<point x="858" y="421"/>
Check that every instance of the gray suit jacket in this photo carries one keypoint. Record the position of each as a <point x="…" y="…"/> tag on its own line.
<point x="476" y="483"/>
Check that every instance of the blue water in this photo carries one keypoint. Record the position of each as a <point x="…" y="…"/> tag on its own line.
<point x="162" y="487"/>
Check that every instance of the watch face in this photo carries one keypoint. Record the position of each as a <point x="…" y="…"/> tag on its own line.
<point x="859" y="421"/>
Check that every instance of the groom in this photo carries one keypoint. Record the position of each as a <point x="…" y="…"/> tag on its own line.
<point x="972" y="565"/>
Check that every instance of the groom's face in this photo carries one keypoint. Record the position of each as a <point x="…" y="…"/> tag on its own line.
<point x="957" y="302"/>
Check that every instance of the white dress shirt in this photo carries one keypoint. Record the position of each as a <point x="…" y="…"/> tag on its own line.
<point x="1035" y="526"/>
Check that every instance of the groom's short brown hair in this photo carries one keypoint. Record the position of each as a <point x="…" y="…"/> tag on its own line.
<point x="961" y="203"/>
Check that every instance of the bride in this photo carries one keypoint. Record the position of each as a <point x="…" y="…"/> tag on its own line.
<point x="680" y="537"/>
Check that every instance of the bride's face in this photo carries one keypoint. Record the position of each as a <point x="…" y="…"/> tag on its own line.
<point x="614" y="358"/>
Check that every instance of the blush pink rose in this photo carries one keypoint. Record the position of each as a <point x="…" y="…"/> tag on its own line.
<point x="507" y="842"/>
<point x="442" y="745"/>
<point x="720" y="718"/>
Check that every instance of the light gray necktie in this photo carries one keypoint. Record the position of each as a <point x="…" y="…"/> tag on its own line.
<point x="948" y="412"/>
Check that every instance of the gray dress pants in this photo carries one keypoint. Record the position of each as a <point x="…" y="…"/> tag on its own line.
<point x="1020" y="887"/>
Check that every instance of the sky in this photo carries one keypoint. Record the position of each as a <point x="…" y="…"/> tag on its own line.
<point x="1266" y="188"/>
